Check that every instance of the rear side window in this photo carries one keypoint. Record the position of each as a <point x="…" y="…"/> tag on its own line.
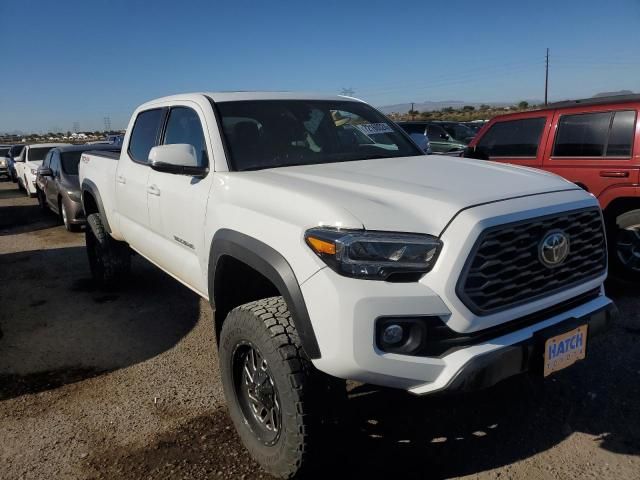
<point x="621" y="135"/>
<point x="436" y="132"/>
<point x="595" y="134"/>
<point x="183" y="126"/>
<point x="145" y="134"/>
<point x="514" y="138"/>
<point x="414" y="128"/>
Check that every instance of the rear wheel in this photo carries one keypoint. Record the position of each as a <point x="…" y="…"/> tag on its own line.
<point x="625" y="246"/>
<point x="277" y="400"/>
<point x="109" y="259"/>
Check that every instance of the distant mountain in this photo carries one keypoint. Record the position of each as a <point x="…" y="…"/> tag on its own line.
<point x="430" y="106"/>
<point x="613" y="94"/>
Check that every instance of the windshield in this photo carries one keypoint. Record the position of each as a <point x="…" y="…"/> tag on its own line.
<point x="278" y="133"/>
<point x="38" y="154"/>
<point x="70" y="162"/>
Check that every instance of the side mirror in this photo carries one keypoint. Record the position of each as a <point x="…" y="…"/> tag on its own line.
<point x="179" y="159"/>
<point x="45" y="172"/>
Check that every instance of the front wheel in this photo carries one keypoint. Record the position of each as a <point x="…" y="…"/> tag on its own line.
<point x="42" y="201"/>
<point x="276" y="399"/>
<point x="625" y="246"/>
<point x="109" y="259"/>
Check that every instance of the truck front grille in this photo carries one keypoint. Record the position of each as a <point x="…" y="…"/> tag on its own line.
<point x="505" y="270"/>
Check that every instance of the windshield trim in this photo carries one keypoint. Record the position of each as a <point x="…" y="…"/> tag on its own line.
<point x="229" y="159"/>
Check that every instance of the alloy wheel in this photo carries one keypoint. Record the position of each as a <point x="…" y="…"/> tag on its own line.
<point x="257" y="393"/>
<point x="628" y="247"/>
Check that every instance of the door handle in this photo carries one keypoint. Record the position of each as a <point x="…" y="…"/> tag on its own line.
<point x="614" y="173"/>
<point x="153" y="190"/>
<point x="121" y="179"/>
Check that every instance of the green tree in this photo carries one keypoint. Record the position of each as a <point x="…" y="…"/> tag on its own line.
<point x="523" y="105"/>
<point x="484" y="106"/>
<point x="468" y="108"/>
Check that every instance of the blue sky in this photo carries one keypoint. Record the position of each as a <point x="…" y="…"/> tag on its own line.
<point x="78" y="61"/>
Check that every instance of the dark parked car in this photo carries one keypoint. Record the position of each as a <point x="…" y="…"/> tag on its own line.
<point x="457" y="131"/>
<point x="4" y="159"/>
<point x="14" y="152"/>
<point x="57" y="184"/>
<point x="439" y="140"/>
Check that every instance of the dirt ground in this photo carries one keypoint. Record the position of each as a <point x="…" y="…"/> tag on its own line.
<point x="124" y="385"/>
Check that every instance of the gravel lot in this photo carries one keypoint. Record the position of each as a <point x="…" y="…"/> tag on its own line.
<point x="124" y="385"/>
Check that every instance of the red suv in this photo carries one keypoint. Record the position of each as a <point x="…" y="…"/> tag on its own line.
<point x="594" y="143"/>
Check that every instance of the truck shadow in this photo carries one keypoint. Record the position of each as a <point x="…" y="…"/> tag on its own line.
<point x="57" y="328"/>
<point x="15" y="219"/>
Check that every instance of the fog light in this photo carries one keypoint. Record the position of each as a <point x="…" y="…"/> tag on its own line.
<point x="392" y="334"/>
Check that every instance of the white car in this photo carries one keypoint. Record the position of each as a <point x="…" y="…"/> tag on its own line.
<point x="327" y="257"/>
<point x="28" y="162"/>
<point x="4" y="160"/>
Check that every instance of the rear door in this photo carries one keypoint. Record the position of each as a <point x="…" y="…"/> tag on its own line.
<point x="517" y="139"/>
<point x="177" y="203"/>
<point x="594" y="149"/>
<point x="132" y="175"/>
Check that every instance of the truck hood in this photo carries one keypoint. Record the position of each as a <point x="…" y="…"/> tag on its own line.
<point x="411" y="194"/>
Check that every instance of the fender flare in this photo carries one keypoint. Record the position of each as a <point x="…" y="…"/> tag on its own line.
<point x="272" y="265"/>
<point x="89" y="186"/>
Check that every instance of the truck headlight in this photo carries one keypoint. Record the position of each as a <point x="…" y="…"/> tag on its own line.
<point x="394" y="257"/>
<point x="34" y="171"/>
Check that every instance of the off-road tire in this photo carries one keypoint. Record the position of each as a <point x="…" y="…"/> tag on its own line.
<point x="305" y="394"/>
<point x="621" y="232"/>
<point x="109" y="259"/>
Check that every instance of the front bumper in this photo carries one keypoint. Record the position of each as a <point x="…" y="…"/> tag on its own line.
<point x="344" y="311"/>
<point x="527" y="356"/>
<point x="75" y="212"/>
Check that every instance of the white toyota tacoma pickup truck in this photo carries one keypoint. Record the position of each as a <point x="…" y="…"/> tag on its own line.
<point x="328" y="256"/>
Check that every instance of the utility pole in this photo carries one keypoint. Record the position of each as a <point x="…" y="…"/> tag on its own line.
<point x="107" y="124"/>
<point x="76" y="126"/>
<point x="413" y="115"/>
<point x="546" y="79"/>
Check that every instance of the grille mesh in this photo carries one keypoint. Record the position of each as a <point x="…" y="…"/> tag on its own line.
<point x="505" y="269"/>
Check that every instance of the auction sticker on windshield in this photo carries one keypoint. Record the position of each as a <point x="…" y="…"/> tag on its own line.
<point x="564" y="350"/>
<point x="373" y="128"/>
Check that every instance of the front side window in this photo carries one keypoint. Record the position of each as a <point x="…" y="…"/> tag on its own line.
<point x="183" y="126"/>
<point x="436" y="133"/>
<point x="69" y="162"/>
<point x="16" y="150"/>
<point x="278" y="133"/>
<point x="145" y="134"/>
<point x="511" y="138"/>
<point x="47" y="160"/>
<point x="602" y="134"/>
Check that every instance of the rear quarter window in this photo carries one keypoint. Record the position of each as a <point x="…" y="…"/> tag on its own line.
<point x="512" y="138"/>
<point x="600" y="134"/>
<point x="144" y="135"/>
